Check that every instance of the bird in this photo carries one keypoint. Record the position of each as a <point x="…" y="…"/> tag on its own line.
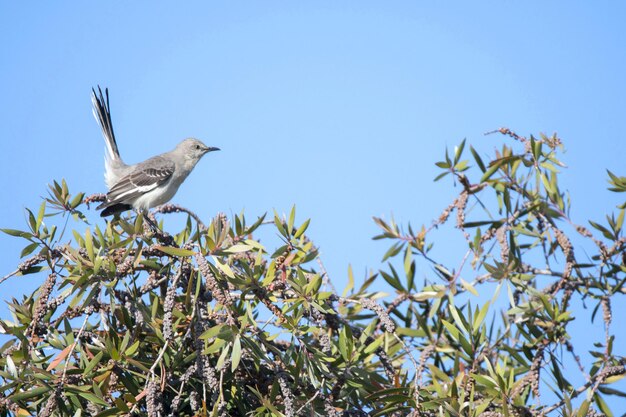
<point x="149" y="183"/>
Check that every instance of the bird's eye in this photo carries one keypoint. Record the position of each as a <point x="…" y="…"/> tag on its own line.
<point x="197" y="146"/>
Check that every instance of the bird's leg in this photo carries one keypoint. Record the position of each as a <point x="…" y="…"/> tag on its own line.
<point x="160" y="234"/>
<point x="149" y="218"/>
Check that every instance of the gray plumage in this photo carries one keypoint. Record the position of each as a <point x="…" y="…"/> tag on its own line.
<point x="146" y="184"/>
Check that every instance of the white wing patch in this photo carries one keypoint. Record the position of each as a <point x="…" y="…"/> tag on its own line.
<point x="137" y="190"/>
<point x="146" y="177"/>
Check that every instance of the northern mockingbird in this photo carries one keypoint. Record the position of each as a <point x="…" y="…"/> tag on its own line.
<point x="149" y="183"/>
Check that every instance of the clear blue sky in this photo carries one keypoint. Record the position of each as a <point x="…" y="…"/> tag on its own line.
<point x="341" y="108"/>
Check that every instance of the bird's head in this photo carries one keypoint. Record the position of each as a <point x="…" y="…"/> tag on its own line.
<point x="194" y="149"/>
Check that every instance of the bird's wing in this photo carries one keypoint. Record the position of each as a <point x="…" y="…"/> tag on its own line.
<point x="146" y="176"/>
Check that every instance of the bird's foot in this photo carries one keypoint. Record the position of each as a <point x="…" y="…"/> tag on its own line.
<point x="151" y="225"/>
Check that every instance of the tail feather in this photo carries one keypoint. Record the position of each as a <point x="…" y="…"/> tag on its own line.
<point x="102" y="113"/>
<point x="114" y="208"/>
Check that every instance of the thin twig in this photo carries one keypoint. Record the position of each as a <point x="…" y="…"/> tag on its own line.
<point x="595" y="382"/>
<point x="310" y="400"/>
<point x="415" y="365"/>
<point x="4" y="278"/>
<point x="325" y="276"/>
<point x="175" y="208"/>
<point x="76" y="339"/>
<point x="457" y="274"/>
<point x="157" y="361"/>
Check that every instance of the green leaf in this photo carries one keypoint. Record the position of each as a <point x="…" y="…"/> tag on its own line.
<point x="29" y="249"/>
<point x="620" y="220"/>
<point x="409" y="268"/>
<point x="410" y="332"/>
<point x="393" y="251"/>
<point x="292" y="219"/>
<point x="607" y="234"/>
<point x="269" y="274"/>
<point x="17" y="233"/>
<point x="602" y="405"/>
<point x="33" y="270"/>
<point x="546" y="183"/>
<point x="495" y="165"/>
<point x="77" y="200"/>
<point x="11" y="366"/>
<point x="477" y="158"/>
<point x="35" y="392"/>
<point x="173" y="251"/>
<point x="426" y="295"/>
<point x="457" y="318"/>
<point x="374" y="345"/>
<point x="302" y="229"/>
<point x="42" y="211"/>
<point x="343" y="344"/>
<point x="93" y="398"/>
<point x="222" y="359"/>
<point x="239" y="248"/>
<point x="224" y="268"/>
<point x="92" y="363"/>
<point x="350" y="285"/>
<point x="584" y="408"/>
<point x="279" y="225"/>
<point x="536" y="147"/>
<point x="112" y="411"/>
<point x="469" y="287"/>
<point x="393" y="280"/>
<point x="214" y="347"/>
<point x="235" y="356"/>
<point x="211" y="332"/>
<point x="458" y="151"/>
<point x="32" y="222"/>
<point x="461" y="166"/>
<point x="453" y="331"/>
<point x="480" y="317"/>
<point x="89" y="244"/>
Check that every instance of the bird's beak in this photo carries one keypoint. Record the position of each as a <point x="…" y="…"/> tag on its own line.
<point x="211" y="149"/>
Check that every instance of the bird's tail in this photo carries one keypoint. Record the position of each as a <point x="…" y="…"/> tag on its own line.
<point x="102" y="113"/>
